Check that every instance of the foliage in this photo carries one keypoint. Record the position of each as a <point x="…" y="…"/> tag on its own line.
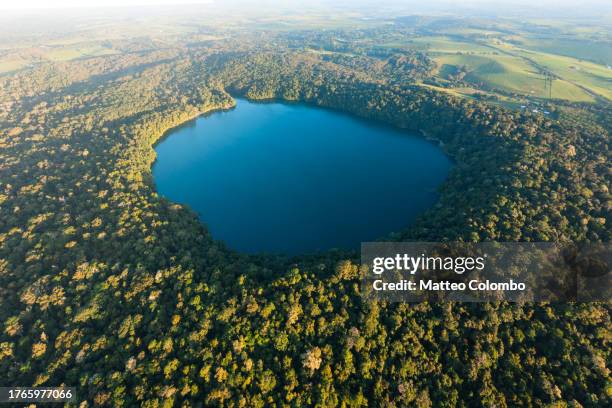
<point x="106" y="286"/>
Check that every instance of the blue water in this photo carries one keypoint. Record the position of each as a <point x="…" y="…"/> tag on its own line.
<point x="288" y="178"/>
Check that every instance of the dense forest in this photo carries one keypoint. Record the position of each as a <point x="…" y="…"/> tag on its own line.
<point x="112" y="289"/>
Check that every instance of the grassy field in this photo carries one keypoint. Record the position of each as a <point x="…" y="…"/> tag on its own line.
<point x="511" y="74"/>
<point x="29" y="56"/>
<point x="596" y="78"/>
<point x="514" y="63"/>
<point x="444" y="44"/>
<point x="76" y="51"/>
<point x="596" y="51"/>
<point x="12" y="65"/>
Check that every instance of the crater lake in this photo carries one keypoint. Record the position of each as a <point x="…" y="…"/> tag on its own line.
<point x="292" y="178"/>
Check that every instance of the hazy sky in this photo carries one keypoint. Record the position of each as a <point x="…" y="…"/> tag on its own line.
<point x="508" y="8"/>
<point x="38" y="4"/>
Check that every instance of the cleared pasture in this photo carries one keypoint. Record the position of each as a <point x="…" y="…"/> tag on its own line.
<point x="511" y="74"/>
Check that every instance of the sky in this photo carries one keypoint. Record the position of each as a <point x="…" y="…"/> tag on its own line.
<point x="42" y="4"/>
<point x="46" y="4"/>
<point x="497" y="7"/>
